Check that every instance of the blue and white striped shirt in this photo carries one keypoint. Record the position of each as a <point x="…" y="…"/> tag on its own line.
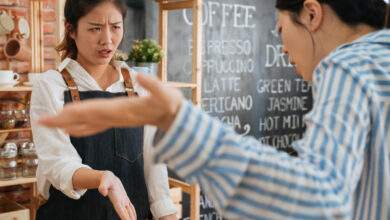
<point x="343" y="168"/>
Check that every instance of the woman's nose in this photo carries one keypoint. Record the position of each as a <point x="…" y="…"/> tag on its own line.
<point x="106" y="36"/>
<point x="284" y="50"/>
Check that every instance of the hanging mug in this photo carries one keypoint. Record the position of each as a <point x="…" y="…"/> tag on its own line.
<point x="14" y="49"/>
<point x="22" y="27"/>
<point x="6" y="23"/>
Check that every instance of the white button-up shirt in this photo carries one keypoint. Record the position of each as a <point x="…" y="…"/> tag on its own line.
<point x="58" y="159"/>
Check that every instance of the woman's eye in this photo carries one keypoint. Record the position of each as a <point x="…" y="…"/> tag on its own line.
<point x="279" y="30"/>
<point x="95" y="29"/>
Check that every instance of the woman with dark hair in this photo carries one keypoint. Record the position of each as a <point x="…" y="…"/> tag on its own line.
<point x="342" y="170"/>
<point x="101" y="176"/>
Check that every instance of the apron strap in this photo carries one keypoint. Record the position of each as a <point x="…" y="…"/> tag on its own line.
<point x="128" y="84"/>
<point x="74" y="92"/>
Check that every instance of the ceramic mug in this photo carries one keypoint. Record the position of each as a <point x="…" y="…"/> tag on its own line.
<point x="6" y="23"/>
<point x="8" y="77"/>
<point x="15" y="49"/>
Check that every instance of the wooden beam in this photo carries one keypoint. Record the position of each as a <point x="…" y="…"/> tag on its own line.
<point x="177" y="183"/>
<point x="181" y="85"/>
<point x="163" y="27"/>
<point x="17" y="181"/>
<point x="195" y="201"/>
<point x="197" y="52"/>
<point x="168" y="6"/>
<point x="37" y="46"/>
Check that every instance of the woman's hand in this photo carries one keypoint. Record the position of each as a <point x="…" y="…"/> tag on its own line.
<point x="111" y="186"/>
<point x="84" y="118"/>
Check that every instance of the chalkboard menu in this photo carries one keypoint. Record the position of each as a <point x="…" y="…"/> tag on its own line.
<point x="247" y="81"/>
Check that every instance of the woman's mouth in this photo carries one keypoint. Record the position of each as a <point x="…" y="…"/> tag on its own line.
<point x="105" y="53"/>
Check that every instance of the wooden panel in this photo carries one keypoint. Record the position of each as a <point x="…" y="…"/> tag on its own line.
<point x="16" y="215"/>
<point x="177" y="5"/>
<point x="177" y="183"/>
<point x="162" y="73"/>
<point x="195" y="202"/>
<point x="17" y="181"/>
<point x="197" y="52"/>
<point x="181" y="85"/>
<point x="15" y="89"/>
<point x="12" y="211"/>
<point x="14" y="130"/>
<point x="37" y="48"/>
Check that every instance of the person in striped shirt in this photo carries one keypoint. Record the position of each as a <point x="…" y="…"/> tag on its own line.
<point x="342" y="170"/>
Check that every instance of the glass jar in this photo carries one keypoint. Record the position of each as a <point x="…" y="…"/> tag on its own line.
<point x="30" y="159"/>
<point x="21" y="118"/>
<point x="9" y="170"/>
<point x="7" y="119"/>
<point x="30" y="167"/>
<point x="8" y="163"/>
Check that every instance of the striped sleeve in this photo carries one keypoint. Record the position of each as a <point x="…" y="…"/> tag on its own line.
<point x="248" y="180"/>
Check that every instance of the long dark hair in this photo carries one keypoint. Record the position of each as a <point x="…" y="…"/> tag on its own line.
<point x="374" y="13"/>
<point x="73" y="11"/>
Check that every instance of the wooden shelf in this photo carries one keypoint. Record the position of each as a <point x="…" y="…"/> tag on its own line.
<point x="14" y="130"/>
<point x="181" y="85"/>
<point x="16" y="89"/>
<point x="17" y="181"/>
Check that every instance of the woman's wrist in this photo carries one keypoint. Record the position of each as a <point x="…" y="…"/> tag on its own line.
<point x="171" y="114"/>
<point x="86" y="178"/>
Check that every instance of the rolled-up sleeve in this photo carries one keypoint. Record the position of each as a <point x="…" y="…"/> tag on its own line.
<point x="58" y="159"/>
<point x="157" y="183"/>
<point x="249" y="180"/>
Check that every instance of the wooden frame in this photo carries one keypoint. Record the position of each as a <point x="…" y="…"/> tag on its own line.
<point x="37" y="48"/>
<point x="196" y="6"/>
<point x="60" y="32"/>
<point x="196" y="85"/>
<point x="194" y="191"/>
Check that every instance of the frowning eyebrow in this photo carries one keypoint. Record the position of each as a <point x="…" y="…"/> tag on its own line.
<point x="99" y="24"/>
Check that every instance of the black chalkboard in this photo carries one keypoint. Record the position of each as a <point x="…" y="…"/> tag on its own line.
<point x="247" y="82"/>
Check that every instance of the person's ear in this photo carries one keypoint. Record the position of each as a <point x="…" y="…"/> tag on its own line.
<point x="69" y="29"/>
<point x="312" y="15"/>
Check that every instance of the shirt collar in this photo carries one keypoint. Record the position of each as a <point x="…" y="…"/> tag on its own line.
<point x="81" y="76"/>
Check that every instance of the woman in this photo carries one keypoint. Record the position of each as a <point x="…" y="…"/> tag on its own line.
<point x="76" y="174"/>
<point x="343" y="167"/>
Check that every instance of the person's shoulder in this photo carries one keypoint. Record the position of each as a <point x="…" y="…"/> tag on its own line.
<point x="357" y="58"/>
<point x="50" y="77"/>
<point x="133" y="74"/>
<point x="373" y="49"/>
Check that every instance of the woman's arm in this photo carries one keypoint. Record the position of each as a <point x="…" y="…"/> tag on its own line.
<point x="84" y="178"/>
<point x="244" y="178"/>
<point x="61" y="165"/>
<point x="58" y="159"/>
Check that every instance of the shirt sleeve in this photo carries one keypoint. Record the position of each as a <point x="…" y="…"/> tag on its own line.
<point x="247" y="180"/>
<point x="157" y="183"/>
<point x="58" y="159"/>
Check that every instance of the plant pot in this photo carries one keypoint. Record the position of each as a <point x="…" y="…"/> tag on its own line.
<point x="147" y="68"/>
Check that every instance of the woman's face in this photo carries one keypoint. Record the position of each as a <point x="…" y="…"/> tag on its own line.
<point x="297" y="44"/>
<point x="99" y="34"/>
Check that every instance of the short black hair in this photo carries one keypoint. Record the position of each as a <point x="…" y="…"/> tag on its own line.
<point x="352" y="12"/>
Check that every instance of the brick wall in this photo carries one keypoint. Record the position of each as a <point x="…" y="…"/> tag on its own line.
<point x="49" y="32"/>
<point x="22" y="8"/>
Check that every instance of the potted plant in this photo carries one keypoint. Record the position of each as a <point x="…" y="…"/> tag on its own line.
<point x="145" y="53"/>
